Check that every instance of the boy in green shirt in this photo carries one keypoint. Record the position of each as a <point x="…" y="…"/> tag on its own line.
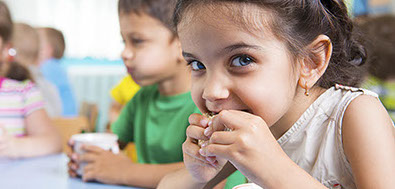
<point x="157" y="117"/>
<point x="156" y="123"/>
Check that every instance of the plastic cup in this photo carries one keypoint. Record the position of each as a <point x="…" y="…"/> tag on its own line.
<point x="106" y="141"/>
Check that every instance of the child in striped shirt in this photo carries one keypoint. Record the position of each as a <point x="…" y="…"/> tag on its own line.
<point x="25" y="129"/>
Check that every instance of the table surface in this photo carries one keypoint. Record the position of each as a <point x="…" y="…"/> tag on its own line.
<point x="42" y="173"/>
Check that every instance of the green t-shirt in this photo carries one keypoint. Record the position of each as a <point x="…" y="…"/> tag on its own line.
<point x="156" y="124"/>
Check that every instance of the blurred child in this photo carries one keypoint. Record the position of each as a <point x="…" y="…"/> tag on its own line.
<point x="280" y="75"/>
<point x="26" y="43"/>
<point x="157" y="116"/>
<point x="380" y="32"/>
<point x="52" y="46"/>
<point x="25" y="129"/>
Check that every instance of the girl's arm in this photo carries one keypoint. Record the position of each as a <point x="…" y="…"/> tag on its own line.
<point x="41" y="138"/>
<point x="369" y="143"/>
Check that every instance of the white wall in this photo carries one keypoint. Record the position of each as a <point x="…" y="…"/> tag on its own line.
<point x="393" y="6"/>
<point x="91" y="27"/>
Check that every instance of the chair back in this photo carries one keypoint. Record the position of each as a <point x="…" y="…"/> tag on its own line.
<point x="70" y="126"/>
<point x="91" y="112"/>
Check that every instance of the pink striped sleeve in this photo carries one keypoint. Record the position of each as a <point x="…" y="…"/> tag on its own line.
<point x="32" y="99"/>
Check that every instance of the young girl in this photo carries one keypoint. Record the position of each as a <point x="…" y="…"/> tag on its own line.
<point x="26" y="43"/>
<point x="277" y="73"/>
<point x="25" y="129"/>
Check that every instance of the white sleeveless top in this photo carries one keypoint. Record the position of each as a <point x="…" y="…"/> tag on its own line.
<point x="314" y="142"/>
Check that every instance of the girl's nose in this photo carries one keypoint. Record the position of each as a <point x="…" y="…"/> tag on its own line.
<point x="215" y="89"/>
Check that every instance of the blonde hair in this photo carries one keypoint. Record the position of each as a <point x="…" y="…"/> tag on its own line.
<point x="25" y="41"/>
<point x="55" y="39"/>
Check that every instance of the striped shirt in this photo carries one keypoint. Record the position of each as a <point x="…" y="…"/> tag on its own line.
<point x="17" y="101"/>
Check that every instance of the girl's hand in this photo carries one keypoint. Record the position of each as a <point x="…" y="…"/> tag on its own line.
<point x="202" y="168"/>
<point x="7" y="144"/>
<point x="249" y="146"/>
<point x="103" y="166"/>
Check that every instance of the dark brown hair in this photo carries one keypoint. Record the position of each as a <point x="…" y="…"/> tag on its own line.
<point x="55" y="39"/>
<point x="15" y="71"/>
<point x="5" y="22"/>
<point x="18" y="72"/>
<point x="380" y="34"/>
<point x="161" y="10"/>
<point x="298" y="23"/>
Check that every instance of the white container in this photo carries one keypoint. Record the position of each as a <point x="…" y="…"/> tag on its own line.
<point x="107" y="141"/>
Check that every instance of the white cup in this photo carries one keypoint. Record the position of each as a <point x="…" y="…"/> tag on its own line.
<point x="107" y="141"/>
<point x="247" y="186"/>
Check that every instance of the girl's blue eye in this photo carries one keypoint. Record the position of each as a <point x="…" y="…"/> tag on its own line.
<point x="196" y="65"/>
<point x="242" y="60"/>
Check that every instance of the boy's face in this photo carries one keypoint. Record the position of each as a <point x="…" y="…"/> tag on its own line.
<point x="150" y="55"/>
<point x="234" y="68"/>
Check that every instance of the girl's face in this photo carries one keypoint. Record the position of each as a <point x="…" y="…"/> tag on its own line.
<point x="236" y="67"/>
<point x="150" y="54"/>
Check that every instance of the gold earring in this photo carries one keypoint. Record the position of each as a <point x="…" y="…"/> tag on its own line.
<point x="306" y="92"/>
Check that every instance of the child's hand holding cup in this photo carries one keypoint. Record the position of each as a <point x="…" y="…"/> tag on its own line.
<point x="106" y="141"/>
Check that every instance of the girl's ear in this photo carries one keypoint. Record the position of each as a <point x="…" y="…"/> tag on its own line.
<point x="314" y="66"/>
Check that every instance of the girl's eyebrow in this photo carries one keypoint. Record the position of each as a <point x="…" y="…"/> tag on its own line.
<point x="227" y="49"/>
<point x="188" y="55"/>
<point x="240" y="45"/>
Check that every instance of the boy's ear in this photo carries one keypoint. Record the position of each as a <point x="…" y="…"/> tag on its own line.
<point x="314" y="66"/>
<point x="179" y="51"/>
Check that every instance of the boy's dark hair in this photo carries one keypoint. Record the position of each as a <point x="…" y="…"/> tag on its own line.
<point x="161" y="10"/>
<point x="55" y="39"/>
<point x="298" y="23"/>
<point x="380" y="34"/>
<point x="15" y="70"/>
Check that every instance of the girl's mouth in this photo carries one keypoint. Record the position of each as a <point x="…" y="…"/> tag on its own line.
<point x="214" y="113"/>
